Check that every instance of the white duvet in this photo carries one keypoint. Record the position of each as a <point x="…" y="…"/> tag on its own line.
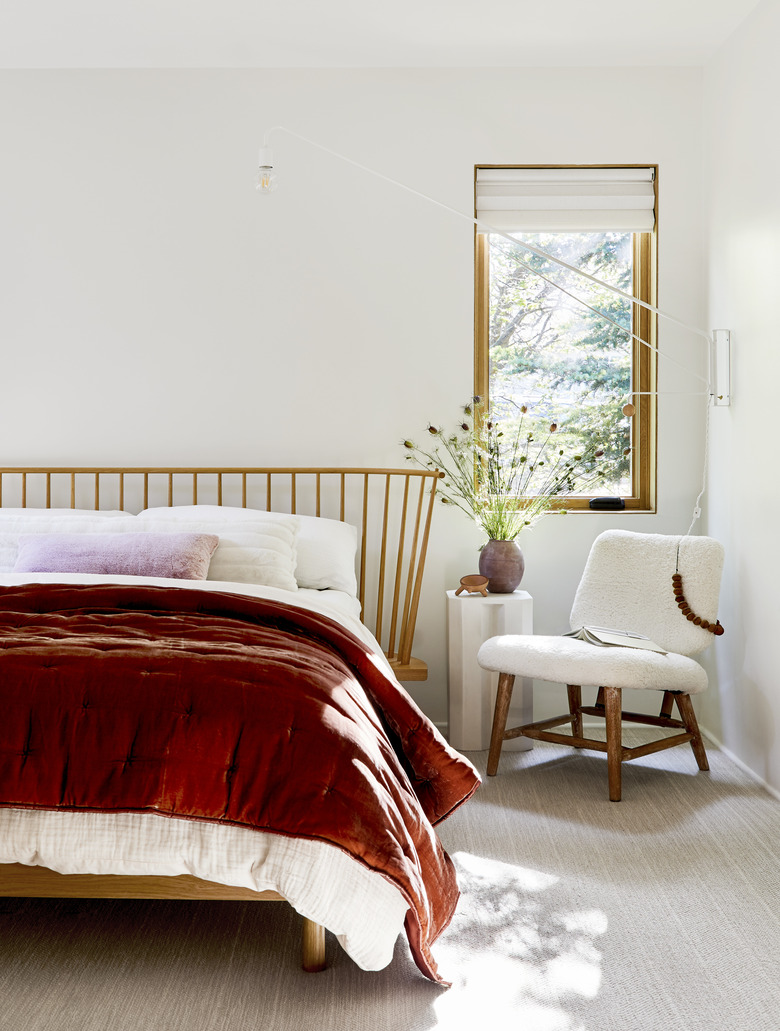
<point x="362" y="908"/>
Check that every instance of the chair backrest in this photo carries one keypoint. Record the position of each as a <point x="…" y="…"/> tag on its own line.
<point x="627" y="585"/>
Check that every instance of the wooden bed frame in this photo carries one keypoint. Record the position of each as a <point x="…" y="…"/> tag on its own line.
<point x="392" y="509"/>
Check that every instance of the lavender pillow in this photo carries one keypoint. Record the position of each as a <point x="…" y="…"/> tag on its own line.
<point x="183" y="556"/>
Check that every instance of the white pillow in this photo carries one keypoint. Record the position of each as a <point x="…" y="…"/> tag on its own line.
<point x="326" y="554"/>
<point x="326" y="548"/>
<point x="14" y="522"/>
<point x="254" y="547"/>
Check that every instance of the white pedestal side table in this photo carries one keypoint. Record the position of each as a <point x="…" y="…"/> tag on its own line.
<point x="471" y="620"/>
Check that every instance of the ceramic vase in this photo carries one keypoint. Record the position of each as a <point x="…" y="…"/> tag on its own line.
<point x="503" y="564"/>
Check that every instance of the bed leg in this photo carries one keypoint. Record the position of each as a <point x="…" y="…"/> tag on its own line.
<point x="313" y="946"/>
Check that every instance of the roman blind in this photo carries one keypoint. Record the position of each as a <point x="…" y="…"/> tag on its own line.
<point x="534" y="200"/>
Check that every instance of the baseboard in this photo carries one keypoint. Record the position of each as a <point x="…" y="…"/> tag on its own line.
<point x="738" y="762"/>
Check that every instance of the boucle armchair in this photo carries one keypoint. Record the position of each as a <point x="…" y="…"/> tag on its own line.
<point x="665" y="588"/>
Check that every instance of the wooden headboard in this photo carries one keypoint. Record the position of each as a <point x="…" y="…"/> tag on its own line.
<point x="391" y="508"/>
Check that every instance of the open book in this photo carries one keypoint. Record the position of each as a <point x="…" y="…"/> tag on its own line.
<point x="605" y="637"/>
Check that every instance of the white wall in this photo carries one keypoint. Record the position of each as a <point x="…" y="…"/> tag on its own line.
<point x="743" y="151"/>
<point x="156" y="309"/>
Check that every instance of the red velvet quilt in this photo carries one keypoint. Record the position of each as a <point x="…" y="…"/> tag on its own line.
<point x="219" y="707"/>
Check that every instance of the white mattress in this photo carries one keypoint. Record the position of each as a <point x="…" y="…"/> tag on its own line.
<point x="362" y="908"/>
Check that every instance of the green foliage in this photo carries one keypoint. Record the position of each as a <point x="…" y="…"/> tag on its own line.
<point x="544" y="345"/>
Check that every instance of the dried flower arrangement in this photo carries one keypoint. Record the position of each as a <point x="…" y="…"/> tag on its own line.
<point x="505" y="473"/>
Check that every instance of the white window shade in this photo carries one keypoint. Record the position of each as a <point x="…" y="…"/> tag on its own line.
<point x="535" y="200"/>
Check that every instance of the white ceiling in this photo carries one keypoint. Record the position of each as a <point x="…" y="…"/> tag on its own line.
<point x="362" y="33"/>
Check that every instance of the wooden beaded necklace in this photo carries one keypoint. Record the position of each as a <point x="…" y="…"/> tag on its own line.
<point x="685" y="608"/>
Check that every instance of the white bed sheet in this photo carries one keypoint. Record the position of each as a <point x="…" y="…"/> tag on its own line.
<point x="361" y="907"/>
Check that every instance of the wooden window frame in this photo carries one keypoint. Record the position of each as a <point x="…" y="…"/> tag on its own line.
<point x="643" y="365"/>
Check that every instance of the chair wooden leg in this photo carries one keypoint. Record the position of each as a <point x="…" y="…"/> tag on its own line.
<point x="503" y="698"/>
<point x="667" y="704"/>
<point x="688" y="717"/>
<point x="613" y="703"/>
<point x="575" y="701"/>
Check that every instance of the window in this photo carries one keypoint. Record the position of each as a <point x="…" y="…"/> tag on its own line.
<point x="555" y="342"/>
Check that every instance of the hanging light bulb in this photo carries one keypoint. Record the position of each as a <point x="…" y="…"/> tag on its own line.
<point x="266" y="178"/>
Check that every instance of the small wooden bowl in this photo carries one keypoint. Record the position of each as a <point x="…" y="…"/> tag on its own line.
<point x="474" y="583"/>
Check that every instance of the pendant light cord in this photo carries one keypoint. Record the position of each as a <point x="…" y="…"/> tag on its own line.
<point x="697" y="503"/>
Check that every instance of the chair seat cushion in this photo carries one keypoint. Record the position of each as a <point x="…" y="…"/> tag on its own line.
<point x="564" y="660"/>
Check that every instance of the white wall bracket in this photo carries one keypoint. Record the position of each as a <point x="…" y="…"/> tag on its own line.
<point x="720" y="367"/>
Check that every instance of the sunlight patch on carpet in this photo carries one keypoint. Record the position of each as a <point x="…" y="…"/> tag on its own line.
<point x="510" y="943"/>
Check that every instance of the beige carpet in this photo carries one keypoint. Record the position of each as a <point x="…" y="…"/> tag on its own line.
<point x="659" y="912"/>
